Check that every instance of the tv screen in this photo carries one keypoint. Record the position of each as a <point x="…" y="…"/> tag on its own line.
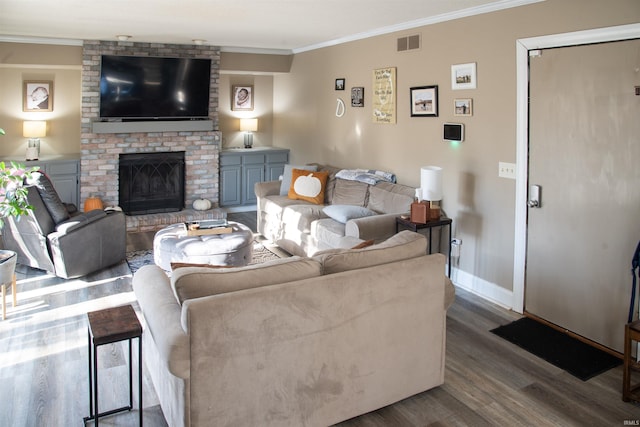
<point x="134" y="87"/>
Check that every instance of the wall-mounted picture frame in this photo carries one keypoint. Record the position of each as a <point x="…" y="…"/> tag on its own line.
<point x="340" y="84"/>
<point x="242" y="98"/>
<point x="357" y="96"/>
<point x="424" y="101"/>
<point x="463" y="76"/>
<point x="37" y="95"/>
<point x="463" y="107"/>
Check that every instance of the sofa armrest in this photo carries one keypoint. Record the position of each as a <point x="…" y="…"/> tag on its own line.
<point x="375" y="227"/>
<point x="162" y="315"/>
<point x="267" y="188"/>
<point x="80" y="220"/>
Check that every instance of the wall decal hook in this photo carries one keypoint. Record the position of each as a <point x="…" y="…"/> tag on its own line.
<point x="340" y="108"/>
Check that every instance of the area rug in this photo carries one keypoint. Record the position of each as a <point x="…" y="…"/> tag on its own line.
<point x="577" y="358"/>
<point x="138" y="259"/>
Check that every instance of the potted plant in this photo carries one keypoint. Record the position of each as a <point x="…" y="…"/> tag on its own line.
<point x="13" y="193"/>
<point x="13" y="202"/>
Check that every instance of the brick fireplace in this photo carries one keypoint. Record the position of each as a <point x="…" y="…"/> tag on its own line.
<point x="100" y="151"/>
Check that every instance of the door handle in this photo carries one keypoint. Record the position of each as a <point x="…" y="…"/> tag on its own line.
<point x="534" y="197"/>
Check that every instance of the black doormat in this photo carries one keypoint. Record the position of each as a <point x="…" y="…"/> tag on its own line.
<point x="579" y="359"/>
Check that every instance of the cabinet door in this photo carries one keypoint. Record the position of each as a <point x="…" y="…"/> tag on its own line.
<point x="274" y="171"/>
<point x="230" y="186"/>
<point x="252" y="174"/>
<point x="67" y="188"/>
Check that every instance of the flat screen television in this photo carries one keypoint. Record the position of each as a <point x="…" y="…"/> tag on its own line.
<point x="139" y="88"/>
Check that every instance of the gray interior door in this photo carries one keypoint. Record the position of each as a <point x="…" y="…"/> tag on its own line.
<point x="584" y="153"/>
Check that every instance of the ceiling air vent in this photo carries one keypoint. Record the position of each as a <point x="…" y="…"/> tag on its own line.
<point x="409" y="43"/>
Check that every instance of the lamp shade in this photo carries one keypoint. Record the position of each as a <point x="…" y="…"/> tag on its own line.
<point x="431" y="183"/>
<point x="34" y="128"/>
<point x="248" y="125"/>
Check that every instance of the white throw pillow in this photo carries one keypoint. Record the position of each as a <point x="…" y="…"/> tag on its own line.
<point x="286" y="176"/>
<point x="343" y="213"/>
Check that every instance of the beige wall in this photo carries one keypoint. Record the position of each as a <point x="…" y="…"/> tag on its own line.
<point x="262" y="109"/>
<point x="60" y="64"/>
<point x="480" y="203"/>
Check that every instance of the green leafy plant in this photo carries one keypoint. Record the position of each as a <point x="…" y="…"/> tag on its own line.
<point x="13" y="193"/>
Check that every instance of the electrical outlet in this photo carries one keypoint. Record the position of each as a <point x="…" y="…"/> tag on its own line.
<point x="455" y="247"/>
<point x="507" y="170"/>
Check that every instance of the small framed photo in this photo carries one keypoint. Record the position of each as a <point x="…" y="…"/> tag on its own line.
<point x="424" y="101"/>
<point x="463" y="76"/>
<point x="242" y="98"/>
<point x="357" y="97"/>
<point x="340" y="84"/>
<point x="463" y="107"/>
<point x="37" y="95"/>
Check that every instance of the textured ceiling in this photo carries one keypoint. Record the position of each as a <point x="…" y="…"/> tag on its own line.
<point x="288" y="25"/>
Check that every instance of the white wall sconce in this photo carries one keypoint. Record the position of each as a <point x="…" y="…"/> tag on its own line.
<point x="34" y="130"/>
<point x="247" y="126"/>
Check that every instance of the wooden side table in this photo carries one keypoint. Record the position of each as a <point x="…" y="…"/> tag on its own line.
<point x="429" y="225"/>
<point x="631" y="333"/>
<point x="105" y="327"/>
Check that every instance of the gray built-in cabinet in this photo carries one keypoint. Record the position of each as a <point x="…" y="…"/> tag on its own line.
<point x="240" y="169"/>
<point x="64" y="173"/>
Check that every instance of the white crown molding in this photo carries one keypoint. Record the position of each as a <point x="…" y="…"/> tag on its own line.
<point x="464" y="13"/>
<point x="255" y="50"/>
<point x="39" y="40"/>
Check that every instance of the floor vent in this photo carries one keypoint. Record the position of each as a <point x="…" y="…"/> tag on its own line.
<point x="409" y="43"/>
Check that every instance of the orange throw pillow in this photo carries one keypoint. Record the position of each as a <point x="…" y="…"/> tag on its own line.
<point x="308" y="185"/>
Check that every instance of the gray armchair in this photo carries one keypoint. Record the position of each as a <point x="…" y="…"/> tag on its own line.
<point x="55" y="238"/>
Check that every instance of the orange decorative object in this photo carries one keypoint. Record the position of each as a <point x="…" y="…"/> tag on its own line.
<point x="92" y="203"/>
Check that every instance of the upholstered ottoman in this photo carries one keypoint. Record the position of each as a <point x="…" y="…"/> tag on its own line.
<point x="171" y="244"/>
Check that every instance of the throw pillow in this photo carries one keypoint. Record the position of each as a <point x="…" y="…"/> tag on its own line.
<point x="364" y="244"/>
<point x="308" y="186"/>
<point x="176" y="265"/>
<point x="343" y="213"/>
<point x="285" y="184"/>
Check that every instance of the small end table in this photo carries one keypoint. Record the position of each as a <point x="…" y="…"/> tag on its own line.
<point x="109" y="326"/>
<point x="429" y="225"/>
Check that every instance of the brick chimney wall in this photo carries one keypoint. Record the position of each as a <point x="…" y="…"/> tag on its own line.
<point x="99" y="152"/>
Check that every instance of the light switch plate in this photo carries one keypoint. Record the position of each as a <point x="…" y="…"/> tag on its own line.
<point x="507" y="170"/>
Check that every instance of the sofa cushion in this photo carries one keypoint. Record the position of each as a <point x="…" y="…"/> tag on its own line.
<point x="286" y="176"/>
<point x="404" y="245"/>
<point x="308" y="186"/>
<point x="349" y="193"/>
<point x="390" y="198"/>
<point x="196" y="282"/>
<point x="343" y="213"/>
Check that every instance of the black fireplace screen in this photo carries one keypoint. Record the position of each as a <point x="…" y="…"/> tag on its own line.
<point x="151" y="182"/>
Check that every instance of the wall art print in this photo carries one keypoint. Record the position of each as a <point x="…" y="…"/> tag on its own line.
<point x="384" y="95"/>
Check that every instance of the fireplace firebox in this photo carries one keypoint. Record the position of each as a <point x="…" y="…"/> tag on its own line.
<point x="151" y="182"/>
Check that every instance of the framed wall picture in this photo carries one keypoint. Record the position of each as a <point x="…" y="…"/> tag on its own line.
<point x="357" y="97"/>
<point x="463" y="76"/>
<point x="463" y="107"/>
<point x="424" y="101"/>
<point x="242" y="98"/>
<point x="37" y="95"/>
<point x="340" y="84"/>
<point x="384" y="95"/>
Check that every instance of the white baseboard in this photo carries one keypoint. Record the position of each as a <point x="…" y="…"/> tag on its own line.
<point x="482" y="288"/>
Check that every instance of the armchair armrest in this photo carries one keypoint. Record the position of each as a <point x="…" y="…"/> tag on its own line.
<point x="89" y="243"/>
<point x="375" y="227"/>
<point x="80" y="220"/>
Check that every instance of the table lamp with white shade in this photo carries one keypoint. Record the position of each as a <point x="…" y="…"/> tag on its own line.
<point x="34" y="130"/>
<point x="431" y="189"/>
<point x="247" y="126"/>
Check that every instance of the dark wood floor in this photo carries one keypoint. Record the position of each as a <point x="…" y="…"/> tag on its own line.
<point x="488" y="381"/>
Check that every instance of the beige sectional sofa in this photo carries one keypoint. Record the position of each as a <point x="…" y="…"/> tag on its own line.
<point x="297" y="341"/>
<point x="302" y="228"/>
